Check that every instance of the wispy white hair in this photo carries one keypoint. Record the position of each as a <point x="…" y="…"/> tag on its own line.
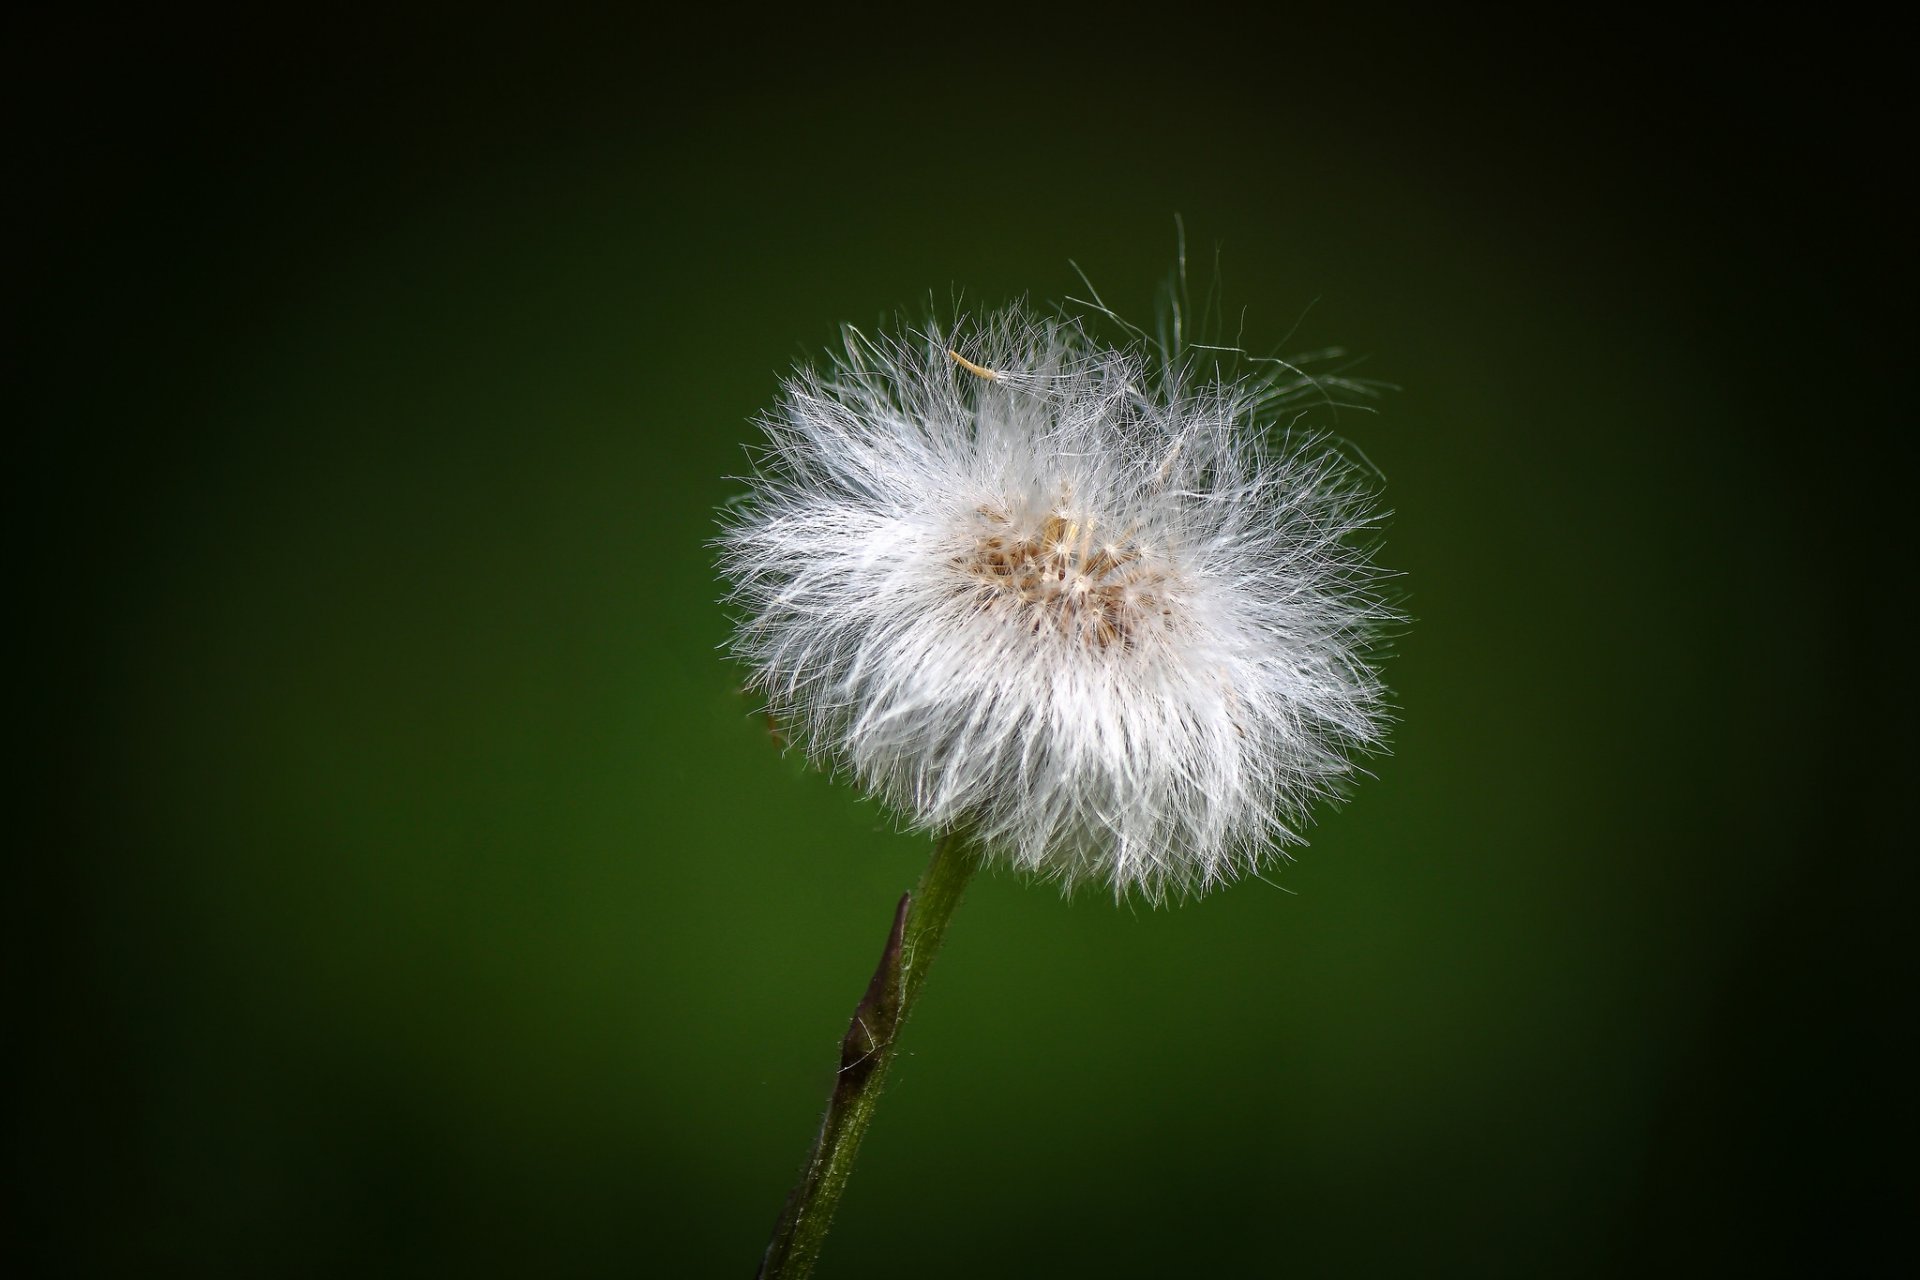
<point x="1092" y="604"/>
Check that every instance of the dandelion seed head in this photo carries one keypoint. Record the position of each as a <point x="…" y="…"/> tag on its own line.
<point x="1087" y="601"/>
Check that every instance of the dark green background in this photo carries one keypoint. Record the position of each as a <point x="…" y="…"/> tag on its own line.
<point x="410" y="890"/>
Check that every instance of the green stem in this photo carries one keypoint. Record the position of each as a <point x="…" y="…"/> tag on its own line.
<point x="919" y="925"/>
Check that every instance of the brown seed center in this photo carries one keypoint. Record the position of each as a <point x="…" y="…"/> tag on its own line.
<point x="1064" y="572"/>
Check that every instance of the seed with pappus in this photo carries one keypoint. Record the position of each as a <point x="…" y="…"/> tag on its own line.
<point x="1098" y="606"/>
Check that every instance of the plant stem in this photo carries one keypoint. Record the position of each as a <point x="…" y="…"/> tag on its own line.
<point x="919" y="925"/>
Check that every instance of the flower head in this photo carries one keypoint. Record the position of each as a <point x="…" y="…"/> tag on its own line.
<point x="1082" y="601"/>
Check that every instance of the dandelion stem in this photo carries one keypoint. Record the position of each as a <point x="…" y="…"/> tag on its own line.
<point x="919" y="925"/>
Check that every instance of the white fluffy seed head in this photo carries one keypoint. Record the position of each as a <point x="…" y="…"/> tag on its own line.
<point x="1085" y="602"/>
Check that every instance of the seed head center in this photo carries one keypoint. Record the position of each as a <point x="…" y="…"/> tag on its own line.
<point x="1067" y="572"/>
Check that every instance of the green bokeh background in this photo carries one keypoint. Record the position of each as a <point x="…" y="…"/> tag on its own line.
<point x="420" y="894"/>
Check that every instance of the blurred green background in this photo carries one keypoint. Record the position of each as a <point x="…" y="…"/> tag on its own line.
<point x="412" y="890"/>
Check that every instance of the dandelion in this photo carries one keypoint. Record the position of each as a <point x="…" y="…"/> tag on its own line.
<point x="1095" y="611"/>
<point x="1086" y="609"/>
